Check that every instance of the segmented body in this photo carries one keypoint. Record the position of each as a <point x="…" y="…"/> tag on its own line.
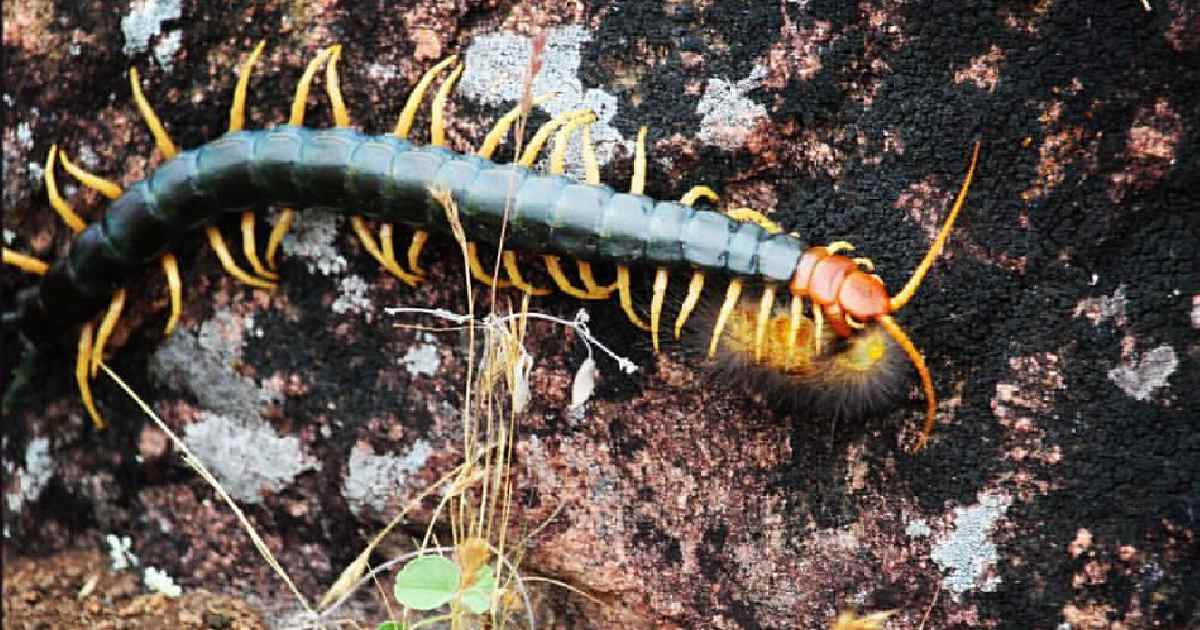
<point x="384" y="178"/>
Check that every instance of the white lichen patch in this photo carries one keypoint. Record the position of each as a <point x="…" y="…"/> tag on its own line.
<point x="1101" y="309"/>
<point x="248" y="458"/>
<point x="167" y="46"/>
<point x="728" y="115"/>
<point x="1139" y="377"/>
<point x="39" y="469"/>
<point x="119" y="551"/>
<point x="917" y="528"/>
<point x="145" y="21"/>
<point x="965" y="553"/>
<point x="352" y="296"/>
<point x="202" y="364"/>
<point x="158" y="581"/>
<point x="496" y="66"/>
<point x="312" y="240"/>
<point x="422" y="359"/>
<point x="372" y="479"/>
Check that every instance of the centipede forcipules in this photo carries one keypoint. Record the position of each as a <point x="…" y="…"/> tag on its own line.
<point x="842" y="339"/>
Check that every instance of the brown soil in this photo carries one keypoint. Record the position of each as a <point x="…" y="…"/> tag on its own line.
<point x="49" y="592"/>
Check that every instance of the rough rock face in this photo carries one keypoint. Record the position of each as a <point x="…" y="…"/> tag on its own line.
<point x="1062" y="487"/>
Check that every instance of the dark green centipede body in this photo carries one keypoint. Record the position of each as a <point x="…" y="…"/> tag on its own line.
<point x="384" y="178"/>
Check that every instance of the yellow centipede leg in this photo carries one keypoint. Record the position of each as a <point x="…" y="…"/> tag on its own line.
<point x="765" y="306"/>
<point x="543" y="134"/>
<point x="558" y="156"/>
<point x="689" y="302"/>
<point x="105" y="187"/>
<point x="589" y="282"/>
<point x="696" y="193"/>
<point x="627" y="298"/>
<point x="404" y="123"/>
<point x="222" y="251"/>
<point x="638" y="185"/>
<point x="283" y="223"/>
<point x="500" y="130"/>
<point x="161" y="139"/>
<point x="81" y="374"/>
<point x="794" y="319"/>
<point x="237" y="111"/>
<point x="731" y="299"/>
<point x="414" y="251"/>
<point x="368" y="241"/>
<point x="249" y="248"/>
<point x="60" y="205"/>
<point x="107" y="324"/>
<point x="818" y="328"/>
<point x="237" y="120"/>
<point x="554" y="268"/>
<point x="170" y="266"/>
<point x="656" y="303"/>
<point x="24" y="263"/>
<point x="437" y="121"/>
<point x="509" y="258"/>
<point x="755" y="217"/>
<point x="478" y="272"/>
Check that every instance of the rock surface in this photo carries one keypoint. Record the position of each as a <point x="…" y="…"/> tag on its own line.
<point x="1062" y="485"/>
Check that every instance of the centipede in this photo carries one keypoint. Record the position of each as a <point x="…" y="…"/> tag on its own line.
<point x="810" y="318"/>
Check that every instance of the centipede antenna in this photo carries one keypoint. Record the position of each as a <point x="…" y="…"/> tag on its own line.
<point x="755" y="217"/>
<point x="81" y="374"/>
<point x="543" y="134"/>
<point x="437" y="122"/>
<point x="689" y="303"/>
<point x="105" y="187"/>
<point x="368" y="241"/>
<point x="222" y="251"/>
<point x="170" y="266"/>
<point x="419" y="238"/>
<point x="107" y="324"/>
<point x="626" y="297"/>
<point x="900" y="299"/>
<point x="554" y="269"/>
<point x="161" y="138"/>
<point x="661" y="276"/>
<point x="405" y="121"/>
<point x="591" y="166"/>
<point x="696" y="193"/>
<point x="558" y="156"/>
<point x="514" y="275"/>
<point x="478" y="272"/>
<point x="60" y="205"/>
<point x="731" y="299"/>
<point x="638" y="184"/>
<point x="765" y="305"/>
<point x="237" y="111"/>
<point x="24" y="263"/>
<point x="500" y="130"/>
<point x="893" y="329"/>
